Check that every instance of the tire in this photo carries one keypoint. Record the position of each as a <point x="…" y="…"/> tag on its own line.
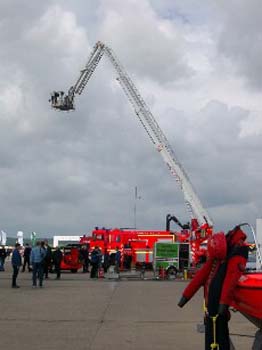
<point x="74" y="270"/>
<point x="172" y="272"/>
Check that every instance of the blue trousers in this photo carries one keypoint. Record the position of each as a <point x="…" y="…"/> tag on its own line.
<point x="38" y="272"/>
<point x="15" y="274"/>
<point x="2" y="263"/>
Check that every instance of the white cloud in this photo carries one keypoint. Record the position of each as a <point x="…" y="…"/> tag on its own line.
<point x="156" y="54"/>
<point x="58" y="29"/>
<point x="58" y="33"/>
<point x="11" y="100"/>
<point x="252" y="126"/>
<point x="240" y="39"/>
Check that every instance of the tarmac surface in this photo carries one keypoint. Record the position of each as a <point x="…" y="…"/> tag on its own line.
<point x="77" y="313"/>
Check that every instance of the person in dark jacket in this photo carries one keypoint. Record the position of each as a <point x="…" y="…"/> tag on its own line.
<point x="3" y="255"/>
<point x="117" y="260"/>
<point x="106" y="263"/>
<point x="48" y="258"/>
<point x="27" y="253"/>
<point x="95" y="261"/>
<point x="84" y="258"/>
<point x="57" y="258"/>
<point x="16" y="263"/>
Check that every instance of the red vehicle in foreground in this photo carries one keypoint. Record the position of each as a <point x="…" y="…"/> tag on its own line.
<point x="247" y="297"/>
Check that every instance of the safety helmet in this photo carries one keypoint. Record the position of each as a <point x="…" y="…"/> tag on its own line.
<point x="217" y="246"/>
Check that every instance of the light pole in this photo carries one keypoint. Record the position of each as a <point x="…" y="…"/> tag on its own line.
<point x="136" y="198"/>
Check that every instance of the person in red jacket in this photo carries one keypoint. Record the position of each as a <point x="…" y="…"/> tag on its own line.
<point x="226" y="261"/>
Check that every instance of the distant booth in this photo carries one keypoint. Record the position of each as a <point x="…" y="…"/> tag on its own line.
<point x="57" y="239"/>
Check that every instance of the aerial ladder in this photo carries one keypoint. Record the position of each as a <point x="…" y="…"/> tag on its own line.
<point x="201" y="222"/>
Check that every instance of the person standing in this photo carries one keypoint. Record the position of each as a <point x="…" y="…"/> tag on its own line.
<point x="84" y="257"/>
<point x="16" y="263"/>
<point x="27" y="253"/>
<point x="48" y="257"/>
<point x="37" y="261"/>
<point x="57" y="258"/>
<point x="106" y="263"/>
<point x="117" y="260"/>
<point x="2" y="258"/>
<point x="95" y="260"/>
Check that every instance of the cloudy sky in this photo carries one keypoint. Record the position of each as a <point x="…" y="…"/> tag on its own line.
<point x="198" y="66"/>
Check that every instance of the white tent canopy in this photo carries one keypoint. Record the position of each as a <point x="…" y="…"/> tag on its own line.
<point x="57" y="239"/>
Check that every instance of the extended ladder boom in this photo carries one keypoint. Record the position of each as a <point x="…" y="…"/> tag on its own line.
<point x="146" y="118"/>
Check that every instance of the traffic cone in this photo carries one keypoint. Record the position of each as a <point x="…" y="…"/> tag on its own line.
<point x="162" y="273"/>
<point x="101" y="272"/>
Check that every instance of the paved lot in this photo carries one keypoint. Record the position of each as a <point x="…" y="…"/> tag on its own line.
<point x="77" y="313"/>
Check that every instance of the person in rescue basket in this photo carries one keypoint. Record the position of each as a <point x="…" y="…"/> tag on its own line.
<point x="226" y="261"/>
<point x="16" y="263"/>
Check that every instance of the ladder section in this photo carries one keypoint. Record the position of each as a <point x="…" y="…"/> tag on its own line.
<point x="160" y="141"/>
<point x="89" y="69"/>
<point x="64" y="102"/>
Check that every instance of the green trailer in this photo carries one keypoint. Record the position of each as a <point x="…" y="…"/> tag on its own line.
<point x="172" y="257"/>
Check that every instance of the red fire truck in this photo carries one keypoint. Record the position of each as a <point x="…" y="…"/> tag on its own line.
<point x="137" y="246"/>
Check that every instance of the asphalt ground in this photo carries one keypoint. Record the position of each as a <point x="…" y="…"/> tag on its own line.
<point x="77" y="313"/>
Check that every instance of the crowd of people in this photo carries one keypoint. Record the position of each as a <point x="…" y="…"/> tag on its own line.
<point x="38" y="260"/>
<point x="97" y="260"/>
<point x="41" y="259"/>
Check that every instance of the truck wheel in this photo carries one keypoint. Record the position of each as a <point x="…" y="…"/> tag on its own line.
<point x="74" y="270"/>
<point x="171" y="272"/>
